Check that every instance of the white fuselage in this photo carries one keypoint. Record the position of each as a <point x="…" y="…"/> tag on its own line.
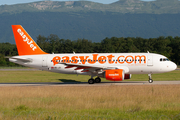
<point x="112" y="66"/>
<point x="132" y="63"/>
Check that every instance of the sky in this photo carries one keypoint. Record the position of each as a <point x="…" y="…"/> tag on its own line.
<point x="10" y="2"/>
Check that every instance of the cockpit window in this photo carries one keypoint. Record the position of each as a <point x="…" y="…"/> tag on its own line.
<point x="164" y="59"/>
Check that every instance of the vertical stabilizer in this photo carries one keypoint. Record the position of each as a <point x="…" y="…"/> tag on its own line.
<point x="25" y="44"/>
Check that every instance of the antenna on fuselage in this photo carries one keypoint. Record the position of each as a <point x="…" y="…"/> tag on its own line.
<point x="147" y="51"/>
<point x="74" y="52"/>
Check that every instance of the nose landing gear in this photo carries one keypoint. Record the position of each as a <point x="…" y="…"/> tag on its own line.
<point x="150" y="78"/>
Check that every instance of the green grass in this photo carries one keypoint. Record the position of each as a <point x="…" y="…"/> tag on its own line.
<point x="87" y="102"/>
<point x="14" y="67"/>
<point x="102" y="103"/>
<point x="174" y="75"/>
<point x="99" y="114"/>
<point x="44" y="76"/>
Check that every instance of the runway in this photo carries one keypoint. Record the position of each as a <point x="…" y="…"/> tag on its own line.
<point x="96" y="84"/>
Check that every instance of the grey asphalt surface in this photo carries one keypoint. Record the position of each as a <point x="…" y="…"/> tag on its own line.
<point x="96" y="84"/>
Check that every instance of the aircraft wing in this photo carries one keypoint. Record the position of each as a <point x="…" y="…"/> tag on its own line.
<point x="94" y="68"/>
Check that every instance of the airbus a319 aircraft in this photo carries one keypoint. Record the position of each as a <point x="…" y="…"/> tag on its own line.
<point x="112" y="66"/>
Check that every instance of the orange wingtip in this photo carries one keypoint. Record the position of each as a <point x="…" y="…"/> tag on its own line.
<point x="25" y="44"/>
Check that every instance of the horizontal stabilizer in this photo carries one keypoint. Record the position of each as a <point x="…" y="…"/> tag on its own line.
<point x="20" y="60"/>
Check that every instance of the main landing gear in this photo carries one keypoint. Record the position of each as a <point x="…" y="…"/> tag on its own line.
<point x="96" y="80"/>
<point x="150" y="78"/>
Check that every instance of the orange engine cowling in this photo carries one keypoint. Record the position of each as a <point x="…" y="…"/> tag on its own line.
<point x="114" y="75"/>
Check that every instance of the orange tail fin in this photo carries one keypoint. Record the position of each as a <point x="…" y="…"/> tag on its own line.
<point x="25" y="44"/>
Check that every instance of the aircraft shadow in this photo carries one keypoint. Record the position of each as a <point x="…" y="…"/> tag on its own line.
<point x="69" y="81"/>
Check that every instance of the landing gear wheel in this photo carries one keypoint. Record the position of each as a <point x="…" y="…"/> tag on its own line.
<point x="150" y="81"/>
<point x="91" y="81"/>
<point x="150" y="78"/>
<point x="98" y="80"/>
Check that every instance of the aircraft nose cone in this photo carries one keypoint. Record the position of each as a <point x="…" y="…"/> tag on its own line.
<point x="174" y="66"/>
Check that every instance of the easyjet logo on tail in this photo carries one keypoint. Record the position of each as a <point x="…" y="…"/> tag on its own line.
<point x="26" y="39"/>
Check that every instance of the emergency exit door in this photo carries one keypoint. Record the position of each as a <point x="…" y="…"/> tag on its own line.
<point x="44" y="61"/>
<point x="150" y="60"/>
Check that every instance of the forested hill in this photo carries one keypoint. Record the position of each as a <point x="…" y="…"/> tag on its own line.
<point x="92" y="21"/>
<point x="121" y="6"/>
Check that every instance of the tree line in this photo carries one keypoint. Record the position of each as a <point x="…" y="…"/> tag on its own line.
<point x="168" y="46"/>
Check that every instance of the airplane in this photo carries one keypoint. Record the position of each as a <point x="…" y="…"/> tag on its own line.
<point x="112" y="66"/>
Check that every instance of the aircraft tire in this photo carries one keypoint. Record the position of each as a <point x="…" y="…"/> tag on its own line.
<point x="91" y="81"/>
<point x="97" y="80"/>
<point x="150" y="81"/>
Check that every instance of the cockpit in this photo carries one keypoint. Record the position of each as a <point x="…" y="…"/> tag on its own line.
<point x="164" y="59"/>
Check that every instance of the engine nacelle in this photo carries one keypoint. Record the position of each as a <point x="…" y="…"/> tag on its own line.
<point x="114" y="75"/>
<point x="127" y="76"/>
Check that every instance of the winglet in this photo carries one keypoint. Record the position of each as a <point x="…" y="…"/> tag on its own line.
<point x="25" y="44"/>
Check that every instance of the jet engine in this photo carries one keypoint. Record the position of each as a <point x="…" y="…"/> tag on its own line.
<point x="114" y="75"/>
<point x="127" y="76"/>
